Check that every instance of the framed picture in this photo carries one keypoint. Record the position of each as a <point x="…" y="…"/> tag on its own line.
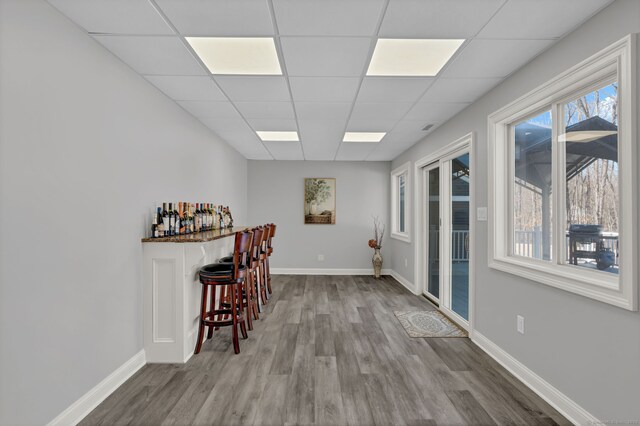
<point x="320" y="201"/>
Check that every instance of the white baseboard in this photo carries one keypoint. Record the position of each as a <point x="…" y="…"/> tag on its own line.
<point x="312" y="271"/>
<point x="83" y="406"/>
<point x="561" y="402"/>
<point x="405" y="282"/>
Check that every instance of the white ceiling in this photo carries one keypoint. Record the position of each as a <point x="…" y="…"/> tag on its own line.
<point x="325" y="47"/>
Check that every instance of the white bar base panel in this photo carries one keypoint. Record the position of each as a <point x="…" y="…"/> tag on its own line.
<point x="83" y="406"/>
<point x="172" y="292"/>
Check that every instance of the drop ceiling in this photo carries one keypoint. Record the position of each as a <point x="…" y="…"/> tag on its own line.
<point x="324" y="48"/>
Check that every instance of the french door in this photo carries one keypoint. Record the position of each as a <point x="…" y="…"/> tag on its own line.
<point x="446" y="231"/>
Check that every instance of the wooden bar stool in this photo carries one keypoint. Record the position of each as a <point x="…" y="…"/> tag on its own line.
<point x="253" y="279"/>
<point x="229" y="279"/>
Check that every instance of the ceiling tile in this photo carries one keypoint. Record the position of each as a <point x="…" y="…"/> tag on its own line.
<point x="337" y="112"/>
<point x="187" y="88"/>
<point x="540" y="19"/>
<point x="255" y="89"/>
<point x="459" y="89"/>
<point x="210" y="109"/>
<point x="114" y="17"/>
<point x="272" y="124"/>
<point x="380" y="110"/>
<point x="356" y="151"/>
<point x="324" y="89"/>
<point x="327" y="17"/>
<point x="285" y="150"/>
<point x="437" y="18"/>
<point x="325" y="56"/>
<point x="435" y="112"/>
<point x="219" y="18"/>
<point x="265" y="109"/>
<point x="370" y="125"/>
<point x="493" y="58"/>
<point x="390" y="89"/>
<point x="320" y="138"/>
<point x="153" y="55"/>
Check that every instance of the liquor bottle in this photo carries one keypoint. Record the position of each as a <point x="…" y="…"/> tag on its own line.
<point x="185" y="208"/>
<point x="205" y="217"/>
<point x="210" y="215"/>
<point x="172" y="220"/>
<point x="159" y="222"/>
<point x="207" y="222"/>
<point x="221" y="218"/>
<point x="154" y="226"/>
<point x="176" y="214"/>
<point x="165" y="220"/>
<point x="192" y="219"/>
<point x="183" y="222"/>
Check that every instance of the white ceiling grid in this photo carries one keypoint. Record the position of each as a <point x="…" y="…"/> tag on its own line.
<point x="324" y="49"/>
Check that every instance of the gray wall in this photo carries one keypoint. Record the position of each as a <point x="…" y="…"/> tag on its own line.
<point x="276" y="194"/>
<point x="588" y="350"/>
<point x="87" y="148"/>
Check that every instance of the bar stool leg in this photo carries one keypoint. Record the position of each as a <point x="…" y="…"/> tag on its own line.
<point x="243" y="322"/>
<point x="254" y="298"/>
<point x="268" y="277"/>
<point x="234" y="327"/>
<point x="212" y="307"/>
<point x="263" y="292"/>
<point x="248" y="295"/>
<point x="203" y="314"/>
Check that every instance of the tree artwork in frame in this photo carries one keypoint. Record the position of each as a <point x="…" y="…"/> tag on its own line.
<point x="320" y="201"/>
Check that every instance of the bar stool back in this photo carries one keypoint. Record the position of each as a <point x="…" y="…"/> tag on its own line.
<point x="262" y="265"/>
<point x="229" y="278"/>
<point x="272" y="232"/>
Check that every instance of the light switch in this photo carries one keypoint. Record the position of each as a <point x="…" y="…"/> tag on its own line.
<point x="481" y="214"/>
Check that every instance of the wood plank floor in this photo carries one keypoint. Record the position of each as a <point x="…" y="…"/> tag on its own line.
<point x="327" y="351"/>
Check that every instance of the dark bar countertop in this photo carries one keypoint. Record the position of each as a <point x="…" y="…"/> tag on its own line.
<point x="198" y="237"/>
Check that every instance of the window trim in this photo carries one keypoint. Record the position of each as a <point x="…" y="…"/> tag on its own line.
<point x="395" y="203"/>
<point x="617" y="61"/>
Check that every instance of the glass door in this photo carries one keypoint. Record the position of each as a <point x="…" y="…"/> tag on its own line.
<point x="432" y="230"/>
<point x="458" y="262"/>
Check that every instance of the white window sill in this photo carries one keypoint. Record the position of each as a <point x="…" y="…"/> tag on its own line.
<point x="596" y="285"/>
<point x="402" y="237"/>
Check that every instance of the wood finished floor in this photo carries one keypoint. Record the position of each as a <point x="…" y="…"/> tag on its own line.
<point x="327" y="351"/>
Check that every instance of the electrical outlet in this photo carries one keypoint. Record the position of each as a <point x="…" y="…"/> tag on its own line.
<point x="481" y="214"/>
<point x="406" y="262"/>
<point x="321" y="258"/>
<point x="520" y="324"/>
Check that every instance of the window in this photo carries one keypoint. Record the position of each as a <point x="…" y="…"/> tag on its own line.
<point x="563" y="181"/>
<point x="400" y="203"/>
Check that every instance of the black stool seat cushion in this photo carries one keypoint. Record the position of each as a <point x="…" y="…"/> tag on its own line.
<point x="226" y="259"/>
<point x="219" y="270"/>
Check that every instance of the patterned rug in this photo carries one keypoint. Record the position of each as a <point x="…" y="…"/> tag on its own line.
<point x="428" y="324"/>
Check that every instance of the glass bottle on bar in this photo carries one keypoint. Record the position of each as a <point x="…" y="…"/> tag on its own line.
<point x="176" y="215"/>
<point x="154" y="226"/>
<point x="158" y="218"/>
<point x="207" y="209"/>
<point x="172" y="220"/>
<point x="165" y="219"/>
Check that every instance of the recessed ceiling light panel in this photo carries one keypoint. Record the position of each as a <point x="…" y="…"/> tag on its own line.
<point x="363" y="136"/>
<point x="269" y="136"/>
<point x="411" y="57"/>
<point x="237" y="55"/>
